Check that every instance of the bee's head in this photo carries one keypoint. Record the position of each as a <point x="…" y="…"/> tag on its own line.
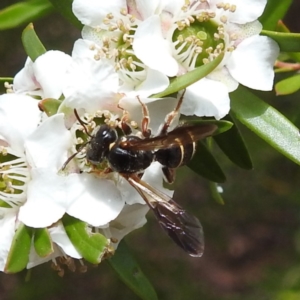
<point x="100" y="143"/>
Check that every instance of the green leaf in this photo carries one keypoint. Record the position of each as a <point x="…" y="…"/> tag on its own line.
<point x="233" y="145"/>
<point x="18" y="255"/>
<point x="50" y="106"/>
<point x="215" y="193"/>
<point x="281" y="27"/>
<point x="274" y="11"/>
<point x="266" y="122"/>
<point x="181" y="82"/>
<point x="288" y="42"/>
<point x="204" y="164"/>
<point x="32" y="44"/>
<point x="23" y="13"/>
<point x="92" y="246"/>
<point x="288" y="86"/>
<point x="131" y="274"/>
<point x="64" y="7"/>
<point x="42" y="242"/>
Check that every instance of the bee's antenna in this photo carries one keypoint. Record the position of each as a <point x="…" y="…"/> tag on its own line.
<point x="81" y="123"/>
<point x="73" y="155"/>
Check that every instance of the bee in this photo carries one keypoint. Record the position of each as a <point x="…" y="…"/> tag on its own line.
<point x="130" y="155"/>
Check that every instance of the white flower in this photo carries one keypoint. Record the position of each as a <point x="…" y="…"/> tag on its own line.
<point x="44" y="77"/>
<point x="52" y="194"/>
<point x="177" y="36"/>
<point x="107" y="34"/>
<point x="19" y="118"/>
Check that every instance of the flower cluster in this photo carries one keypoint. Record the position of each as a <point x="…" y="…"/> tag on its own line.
<point x="129" y="51"/>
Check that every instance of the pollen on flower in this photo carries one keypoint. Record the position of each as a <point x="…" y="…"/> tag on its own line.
<point x="8" y="87"/>
<point x="223" y="19"/>
<point x="232" y="8"/>
<point x="14" y="176"/>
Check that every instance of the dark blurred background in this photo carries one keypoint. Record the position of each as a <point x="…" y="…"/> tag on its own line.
<point x="252" y="242"/>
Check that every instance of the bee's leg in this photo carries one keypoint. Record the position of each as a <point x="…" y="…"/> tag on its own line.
<point x="146" y="120"/>
<point x="170" y="116"/>
<point x="169" y="174"/>
<point x="124" y="122"/>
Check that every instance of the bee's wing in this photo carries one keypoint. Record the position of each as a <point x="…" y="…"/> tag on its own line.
<point x="179" y="136"/>
<point x="182" y="227"/>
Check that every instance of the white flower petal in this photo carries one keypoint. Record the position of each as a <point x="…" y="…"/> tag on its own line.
<point x="92" y="12"/>
<point x="46" y="199"/>
<point x="19" y="117"/>
<point x="224" y="76"/>
<point x="130" y="218"/>
<point x="7" y="230"/>
<point x="81" y="49"/>
<point x="213" y="101"/>
<point x="251" y="63"/>
<point x="93" y="200"/>
<point x="152" y="49"/>
<point x="48" y="145"/>
<point x="246" y="10"/>
<point x="154" y="177"/>
<point x="60" y="237"/>
<point x="154" y="82"/>
<point x="143" y="8"/>
<point x="129" y="193"/>
<point x="91" y="85"/>
<point x="51" y="81"/>
<point x="24" y="81"/>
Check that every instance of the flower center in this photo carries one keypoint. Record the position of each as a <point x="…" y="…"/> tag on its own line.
<point x="114" y="39"/>
<point x="14" y="176"/>
<point x="198" y="42"/>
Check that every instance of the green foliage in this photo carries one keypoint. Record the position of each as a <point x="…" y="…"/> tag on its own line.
<point x="64" y="7"/>
<point x="32" y="44"/>
<point x="42" y="242"/>
<point x="18" y="256"/>
<point x="275" y="10"/>
<point x="181" y="82"/>
<point x="288" y="42"/>
<point x="23" y="13"/>
<point x="266" y="122"/>
<point x="92" y="246"/>
<point x="130" y="273"/>
<point x="288" y="86"/>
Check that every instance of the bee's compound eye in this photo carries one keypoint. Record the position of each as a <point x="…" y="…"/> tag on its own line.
<point x="106" y="135"/>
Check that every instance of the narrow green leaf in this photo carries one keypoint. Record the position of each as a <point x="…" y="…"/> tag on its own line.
<point x="288" y="42"/>
<point x="288" y="86"/>
<point x="92" y="246"/>
<point x="6" y="79"/>
<point x="232" y="144"/>
<point x="32" y="44"/>
<point x="266" y="122"/>
<point x="215" y="193"/>
<point x="182" y="82"/>
<point x="281" y="27"/>
<point x="18" y="256"/>
<point x="50" y="106"/>
<point x="42" y="242"/>
<point x="274" y="11"/>
<point x="64" y="7"/>
<point x="23" y="13"/>
<point x="131" y="274"/>
<point x="204" y="164"/>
